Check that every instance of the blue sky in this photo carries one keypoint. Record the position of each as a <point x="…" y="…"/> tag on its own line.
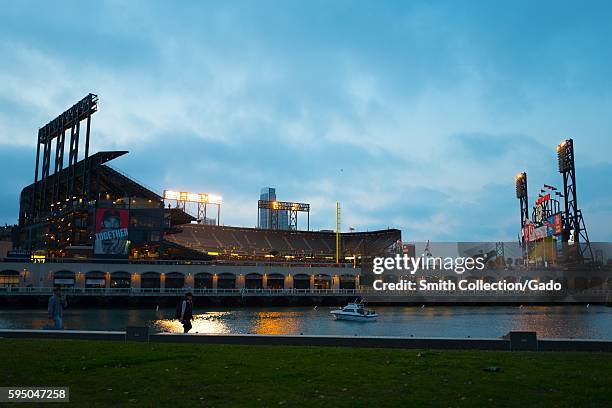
<point x="414" y="115"/>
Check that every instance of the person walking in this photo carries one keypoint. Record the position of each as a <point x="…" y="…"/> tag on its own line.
<point x="55" y="308"/>
<point x="184" y="312"/>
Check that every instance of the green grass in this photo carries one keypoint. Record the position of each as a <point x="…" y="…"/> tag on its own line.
<point x="117" y="374"/>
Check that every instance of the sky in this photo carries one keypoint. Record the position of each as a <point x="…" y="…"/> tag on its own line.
<point x="414" y="115"/>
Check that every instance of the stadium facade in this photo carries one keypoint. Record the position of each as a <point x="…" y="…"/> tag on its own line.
<point x="85" y="213"/>
<point x="97" y="232"/>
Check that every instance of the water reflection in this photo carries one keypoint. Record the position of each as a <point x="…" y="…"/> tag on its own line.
<point x="277" y="323"/>
<point x="212" y="322"/>
<point x="550" y="321"/>
<point x="430" y="321"/>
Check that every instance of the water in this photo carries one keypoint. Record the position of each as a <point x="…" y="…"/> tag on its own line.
<point x="594" y="322"/>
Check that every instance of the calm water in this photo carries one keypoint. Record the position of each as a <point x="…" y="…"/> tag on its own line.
<point x="594" y="322"/>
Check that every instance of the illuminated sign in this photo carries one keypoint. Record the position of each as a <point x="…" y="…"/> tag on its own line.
<point x="111" y="232"/>
<point x="531" y="233"/>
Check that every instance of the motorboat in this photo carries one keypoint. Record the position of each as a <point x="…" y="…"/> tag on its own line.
<point x="355" y="312"/>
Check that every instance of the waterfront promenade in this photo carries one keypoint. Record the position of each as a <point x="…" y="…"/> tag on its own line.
<point x="513" y="341"/>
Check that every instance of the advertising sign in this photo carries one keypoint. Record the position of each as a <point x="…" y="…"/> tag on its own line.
<point x="528" y="231"/>
<point x="558" y="224"/>
<point x="539" y="213"/>
<point x="539" y="233"/>
<point x="554" y="223"/>
<point x="111" y="232"/>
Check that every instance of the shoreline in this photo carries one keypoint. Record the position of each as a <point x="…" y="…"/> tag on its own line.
<point x="513" y="341"/>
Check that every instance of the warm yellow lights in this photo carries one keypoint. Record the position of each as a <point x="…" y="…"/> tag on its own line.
<point x="202" y="198"/>
<point x="561" y="145"/>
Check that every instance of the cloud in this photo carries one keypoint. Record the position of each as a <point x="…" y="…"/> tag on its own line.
<point x="418" y="122"/>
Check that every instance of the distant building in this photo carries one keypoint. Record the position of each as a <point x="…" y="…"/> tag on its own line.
<point x="6" y="241"/>
<point x="265" y="217"/>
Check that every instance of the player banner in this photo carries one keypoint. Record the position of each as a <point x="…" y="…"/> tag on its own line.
<point x="111" y="232"/>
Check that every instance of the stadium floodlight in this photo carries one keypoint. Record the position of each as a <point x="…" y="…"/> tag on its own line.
<point x="171" y="195"/>
<point x="215" y="199"/>
<point x="565" y="155"/>
<point x="521" y="185"/>
<point x="200" y="198"/>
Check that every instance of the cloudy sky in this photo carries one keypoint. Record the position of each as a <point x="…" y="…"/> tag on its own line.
<point x="414" y="115"/>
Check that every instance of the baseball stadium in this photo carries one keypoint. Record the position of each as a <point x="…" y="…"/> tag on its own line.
<point x="86" y="225"/>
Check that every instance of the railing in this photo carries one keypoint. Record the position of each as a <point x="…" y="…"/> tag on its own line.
<point x="176" y="291"/>
<point x="218" y="262"/>
<point x="14" y="290"/>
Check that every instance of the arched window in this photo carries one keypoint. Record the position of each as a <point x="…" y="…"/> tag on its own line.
<point x="301" y="281"/>
<point x="226" y="281"/>
<point x="322" y="281"/>
<point x="347" y="282"/>
<point x="203" y="280"/>
<point x="150" y="280"/>
<point x="175" y="280"/>
<point x="253" y="281"/>
<point x="95" y="279"/>
<point x="276" y="281"/>
<point x="64" y="279"/>
<point x="120" y="280"/>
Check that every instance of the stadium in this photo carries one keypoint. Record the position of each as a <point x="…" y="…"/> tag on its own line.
<point x="84" y="224"/>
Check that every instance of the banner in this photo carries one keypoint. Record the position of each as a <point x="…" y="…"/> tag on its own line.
<point x="558" y="224"/>
<point x="111" y="232"/>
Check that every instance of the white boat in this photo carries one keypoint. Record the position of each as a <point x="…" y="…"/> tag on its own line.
<point x="354" y="311"/>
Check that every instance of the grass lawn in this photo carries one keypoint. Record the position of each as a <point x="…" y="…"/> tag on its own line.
<point x="117" y="373"/>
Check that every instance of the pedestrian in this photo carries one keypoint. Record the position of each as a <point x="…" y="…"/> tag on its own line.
<point x="184" y="312"/>
<point x="55" y="308"/>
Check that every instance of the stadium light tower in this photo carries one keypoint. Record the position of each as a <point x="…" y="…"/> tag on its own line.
<point x="277" y="206"/>
<point x="201" y="199"/>
<point x="573" y="225"/>
<point x="521" y="194"/>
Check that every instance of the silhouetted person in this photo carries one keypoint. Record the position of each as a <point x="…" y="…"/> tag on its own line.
<point x="55" y="308"/>
<point x="185" y="312"/>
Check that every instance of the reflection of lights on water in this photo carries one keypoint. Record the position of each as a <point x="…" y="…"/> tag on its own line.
<point x="268" y="322"/>
<point x="276" y="323"/>
<point x="550" y="322"/>
<point x="211" y="322"/>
